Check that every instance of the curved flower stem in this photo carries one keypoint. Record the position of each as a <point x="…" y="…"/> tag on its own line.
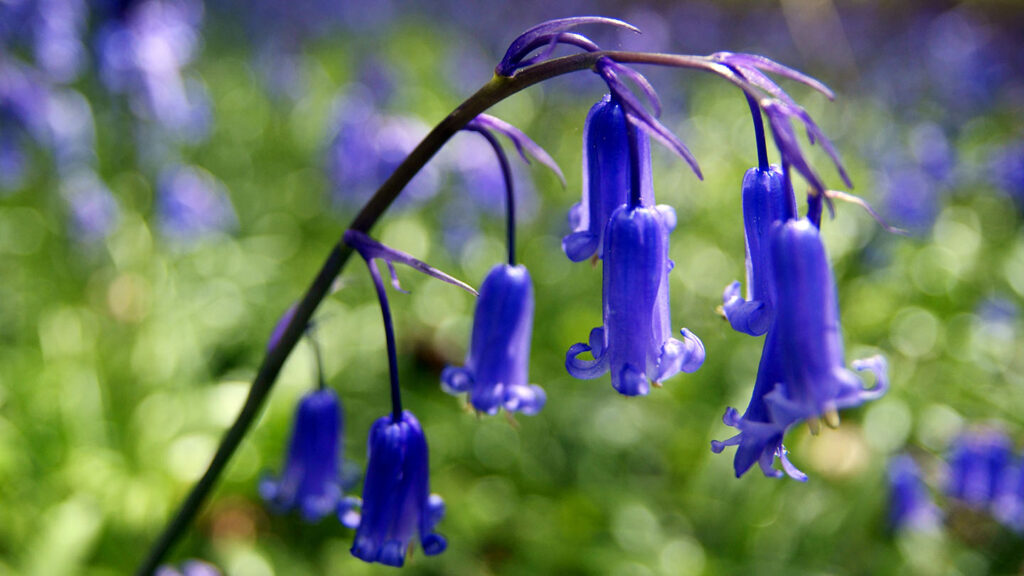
<point x="510" y="197"/>
<point x="389" y="335"/>
<point x="494" y="91"/>
<point x="762" y="146"/>
<point x="318" y="360"/>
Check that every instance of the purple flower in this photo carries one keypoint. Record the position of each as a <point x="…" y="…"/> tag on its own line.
<point x="192" y="204"/>
<point x="635" y="343"/>
<point x="310" y="480"/>
<point x="910" y="504"/>
<point x="12" y="163"/>
<point x="94" y="212"/>
<point x="496" y="372"/>
<point x="51" y="29"/>
<point x="547" y="35"/>
<point x="189" y="568"/>
<point x="1008" y="506"/>
<point x="816" y="382"/>
<point x="396" y="494"/>
<point x="977" y="463"/>
<point x="144" y="54"/>
<point x="1006" y="166"/>
<point x="760" y="438"/>
<point x="802" y="375"/>
<point x="366" y="148"/>
<point x="605" y="178"/>
<point x="767" y="199"/>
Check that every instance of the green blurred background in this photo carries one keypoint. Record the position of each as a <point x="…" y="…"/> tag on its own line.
<point x="126" y="354"/>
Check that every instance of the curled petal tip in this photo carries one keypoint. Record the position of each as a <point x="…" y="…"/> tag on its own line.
<point x="525" y="146"/>
<point x="369" y="249"/>
<point x="548" y="33"/>
<point x="857" y="200"/>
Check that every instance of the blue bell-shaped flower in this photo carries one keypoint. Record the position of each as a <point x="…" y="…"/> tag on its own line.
<point x="496" y="373"/>
<point x="396" y="494"/>
<point x="310" y="480"/>
<point x="910" y="504"/>
<point x="978" y="462"/>
<point x="816" y="381"/>
<point x="635" y="344"/>
<point x="767" y="199"/>
<point x="606" y="176"/>
<point x="802" y="374"/>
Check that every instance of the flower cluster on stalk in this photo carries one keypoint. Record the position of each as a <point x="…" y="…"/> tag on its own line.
<point x="790" y="295"/>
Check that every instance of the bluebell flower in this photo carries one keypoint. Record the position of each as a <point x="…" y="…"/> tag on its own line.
<point x="802" y="375"/>
<point x="1008" y="506"/>
<point x="396" y="494"/>
<point x="496" y="372"/>
<point x="51" y="30"/>
<point x="24" y="102"/>
<point x="189" y="568"/>
<point x="192" y="204"/>
<point x="605" y="178"/>
<point x="94" y="212"/>
<point x="310" y="481"/>
<point x="12" y="163"/>
<point x="1006" y="170"/>
<point x="767" y="199"/>
<point x="978" y="461"/>
<point x="760" y="438"/>
<point x="636" y="344"/>
<point x="144" y="54"/>
<point x="816" y="382"/>
<point x="910" y="504"/>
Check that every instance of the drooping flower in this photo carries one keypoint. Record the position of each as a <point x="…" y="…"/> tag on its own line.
<point x="496" y="372"/>
<point x="760" y="438"/>
<point x="605" y="178"/>
<point x="310" y="481"/>
<point x="816" y="382"/>
<point x="910" y="505"/>
<point x="802" y="375"/>
<point x="635" y="344"/>
<point x="977" y="463"/>
<point x="396" y="494"/>
<point x="189" y="568"/>
<point x="497" y="368"/>
<point x="767" y="199"/>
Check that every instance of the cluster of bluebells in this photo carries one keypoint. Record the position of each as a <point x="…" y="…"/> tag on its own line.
<point x="142" y="50"/>
<point x="981" y="473"/>
<point x="41" y="51"/>
<point x="790" y="295"/>
<point x="985" y="474"/>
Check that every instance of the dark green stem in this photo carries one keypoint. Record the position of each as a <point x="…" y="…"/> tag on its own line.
<point x="389" y="337"/>
<point x="498" y="89"/>
<point x="510" y="196"/>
